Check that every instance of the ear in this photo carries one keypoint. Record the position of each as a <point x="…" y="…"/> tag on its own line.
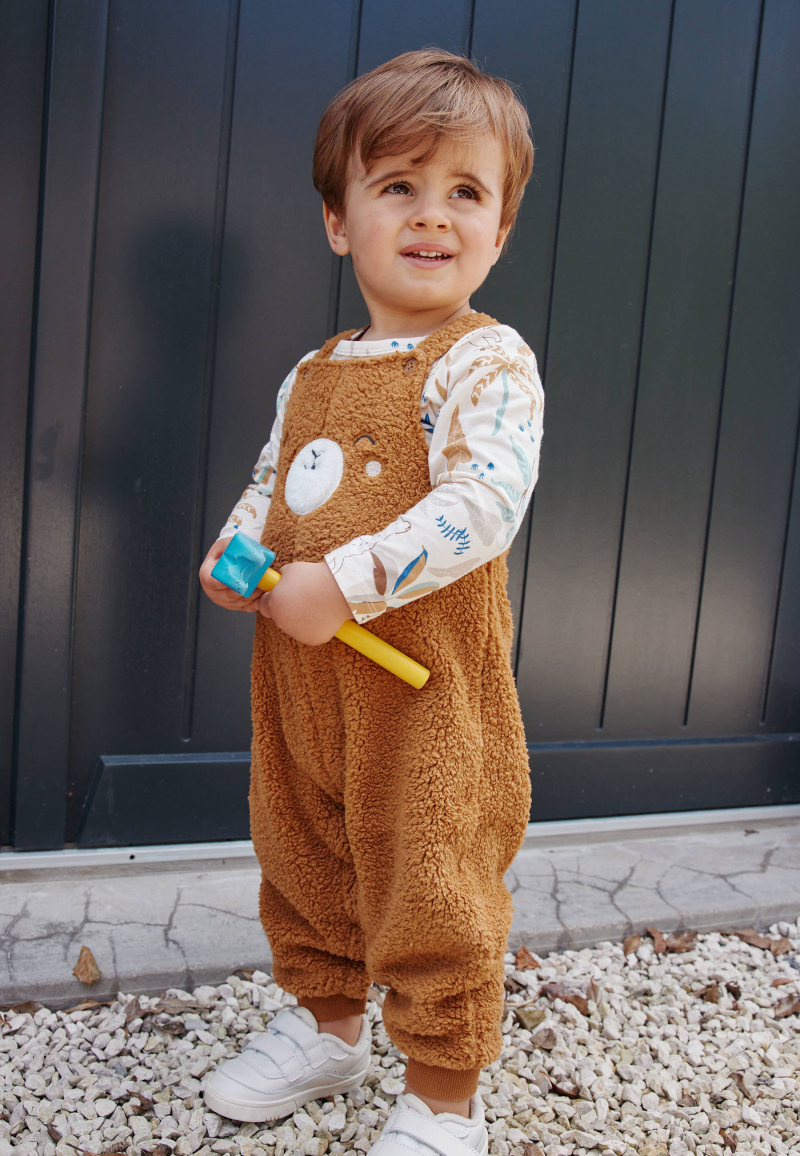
<point x="334" y="227"/>
<point x="500" y="241"/>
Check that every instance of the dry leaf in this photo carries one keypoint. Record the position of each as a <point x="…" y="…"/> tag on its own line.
<point x="86" y="970"/>
<point x="559" y="991"/>
<point x="681" y="941"/>
<point x="734" y="989"/>
<point x="161" y="1150"/>
<point x="529" y="1149"/>
<point x="780" y="982"/>
<point x="133" y="1010"/>
<point x="659" y="942"/>
<point x="529" y="1017"/>
<point x="525" y="961"/>
<point x="545" y="1039"/>
<point x="788" y="1006"/>
<point x="172" y="1027"/>
<point x="245" y="973"/>
<point x="89" y="1004"/>
<point x="780" y="946"/>
<point x="632" y="944"/>
<point x="565" y="1090"/>
<point x="375" y="995"/>
<point x="738" y="1080"/>
<point x="140" y="1104"/>
<point x="593" y="992"/>
<point x="710" y="993"/>
<point x="751" y="936"/>
<point x="687" y="1101"/>
<point x="728" y="1139"/>
<point x="175" y="1006"/>
<point x="30" y="1007"/>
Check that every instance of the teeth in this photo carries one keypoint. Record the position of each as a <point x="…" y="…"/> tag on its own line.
<point x="428" y="253"/>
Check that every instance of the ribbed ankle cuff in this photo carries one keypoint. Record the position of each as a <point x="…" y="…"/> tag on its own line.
<point x="442" y="1083"/>
<point x="332" y="1007"/>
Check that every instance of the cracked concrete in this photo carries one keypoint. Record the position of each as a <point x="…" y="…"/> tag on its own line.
<point x="154" y="924"/>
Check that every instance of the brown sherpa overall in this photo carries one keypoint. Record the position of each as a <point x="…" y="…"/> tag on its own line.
<point x="384" y="817"/>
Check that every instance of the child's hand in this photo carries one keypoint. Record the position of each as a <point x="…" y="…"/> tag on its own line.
<point x="217" y="591"/>
<point x="306" y="604"/>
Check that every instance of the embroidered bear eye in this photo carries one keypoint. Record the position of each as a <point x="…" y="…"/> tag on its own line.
<point x="373" y="468"/>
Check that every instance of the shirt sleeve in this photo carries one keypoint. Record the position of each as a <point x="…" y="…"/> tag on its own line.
<point x="250" y="512"/>
<point x="487" y="404"/>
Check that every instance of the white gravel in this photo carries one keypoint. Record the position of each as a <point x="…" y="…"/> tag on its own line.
<point x="654" y="1068"/>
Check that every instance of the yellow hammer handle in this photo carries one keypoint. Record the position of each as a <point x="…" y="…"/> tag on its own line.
<point x="368" y="644"/>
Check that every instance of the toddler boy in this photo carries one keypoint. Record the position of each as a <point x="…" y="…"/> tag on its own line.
<point x="399" y="468"/>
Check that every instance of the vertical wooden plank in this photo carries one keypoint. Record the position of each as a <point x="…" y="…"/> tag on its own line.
<point x="529" y="45"/>
<point x="23" y="53"/>
<point x="152" y="322"/>
<point x="760" y="409"/>
<point x="67" y="237"/>
<point x="602" y="247"/>
<point x="695" y="233"/>
<point x="276" y="280"/>
<point x="386" y="31"/>
<point x="604" y="235"/>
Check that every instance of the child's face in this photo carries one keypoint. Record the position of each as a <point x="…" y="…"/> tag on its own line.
<point x="423" y="237"/>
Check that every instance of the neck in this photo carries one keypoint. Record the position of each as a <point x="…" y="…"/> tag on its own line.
<point x="387" y="324"/>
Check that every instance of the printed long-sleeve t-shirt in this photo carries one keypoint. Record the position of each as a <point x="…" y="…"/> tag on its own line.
<point x="481" y="411"/>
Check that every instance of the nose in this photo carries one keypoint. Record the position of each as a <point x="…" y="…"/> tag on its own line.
<point x="431" y="216"/>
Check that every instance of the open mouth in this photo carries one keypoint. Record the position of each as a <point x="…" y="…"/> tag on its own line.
<point x="426" y="257"/>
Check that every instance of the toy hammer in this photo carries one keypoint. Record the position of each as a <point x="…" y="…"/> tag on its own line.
<point x="246" y="566"/>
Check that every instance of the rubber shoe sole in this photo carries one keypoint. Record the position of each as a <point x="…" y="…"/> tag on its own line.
<point x="261" y="1113"/>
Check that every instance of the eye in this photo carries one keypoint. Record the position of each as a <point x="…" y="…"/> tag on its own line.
<point x="364" y="438"/>
<point x="467" y="193"/>
<point x="397" y="187"/>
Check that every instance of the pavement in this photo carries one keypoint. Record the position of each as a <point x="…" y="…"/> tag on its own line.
<point x="158" y="917"/>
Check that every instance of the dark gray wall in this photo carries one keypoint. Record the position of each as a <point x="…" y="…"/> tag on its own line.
<point x="165" y="265"/>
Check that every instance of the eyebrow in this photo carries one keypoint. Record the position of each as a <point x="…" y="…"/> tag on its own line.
<point x="401" y="174"/>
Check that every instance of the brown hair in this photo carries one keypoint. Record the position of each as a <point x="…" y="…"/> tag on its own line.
<point x="421" y="98"/>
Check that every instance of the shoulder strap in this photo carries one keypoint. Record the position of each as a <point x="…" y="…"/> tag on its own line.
<point x="436" y="344"/>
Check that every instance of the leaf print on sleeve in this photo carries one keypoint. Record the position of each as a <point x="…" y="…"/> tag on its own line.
<point x="501" y="409"/>
<point x="508" y="515"/>
<point x="248" y="509"/>
<point x="364" y="545"/>
<point x="453" y="571"/>
<point x="486" y="525"/>
<point x="456" y="449"/>
<point x="451" y="533"/>
<point x="411" y="572"/>
<point x="522" y="462"/>
<point x="362" y="608"/>
<point x="418" y="591"/>
<point x="495" y="364"/>
<point x="513" y="494"/>
<point x="378" y="573"/>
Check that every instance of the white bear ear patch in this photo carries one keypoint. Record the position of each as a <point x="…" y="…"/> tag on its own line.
<point x="313" y="475"/>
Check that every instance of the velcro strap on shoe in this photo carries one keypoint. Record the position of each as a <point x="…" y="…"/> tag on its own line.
<point x="288" y="1023"/>
<point x="270" y="1045"/>
<point x="426" y="1130"/>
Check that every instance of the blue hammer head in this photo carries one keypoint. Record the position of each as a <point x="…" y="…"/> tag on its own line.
<point x="243" y="564"/>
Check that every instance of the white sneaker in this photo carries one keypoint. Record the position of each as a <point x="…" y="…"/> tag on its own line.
<point x="413" y="1125"/>
<point x="285" y="1066"/>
